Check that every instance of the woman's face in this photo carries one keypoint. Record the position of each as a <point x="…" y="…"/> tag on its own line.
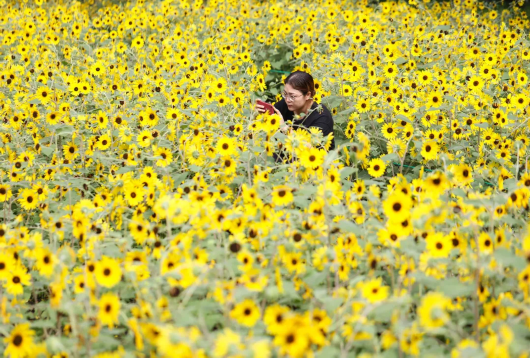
<point x="295" y="99"/>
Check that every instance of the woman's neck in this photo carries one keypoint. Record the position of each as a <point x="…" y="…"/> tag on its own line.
<point x="305" y="108"/>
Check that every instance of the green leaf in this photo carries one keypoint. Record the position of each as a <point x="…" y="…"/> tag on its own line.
<point x="383" y="312"/>
<point x="332" y="303"/>
<point x="328" y="351"/>
<point x="423" y="279"/>
<point x="346" y="172"/>
<point x="289" y="291"/>
<point x="179" y="177"/>
<point x="404" y="118"/>
<point x="315" y="278"/>
<point x="332" y="101"/>
<point x="347" y="111"/>
<point x="400" y="61"/>
<point x="47" y="151"/>
<point x="212" y="319"/>
<point x="87" y="48"/>
<point x="442" y="27"/>
<point x="258" y="149"/>
<point x="453" y="287"/>
<point x="42" y="324"/>
<point x="107" y="341"/>
<point x="507" y="258"/>
<point x="349" y="226"/>
<point x="390" y="157"/>
<point x="126" y="169"/>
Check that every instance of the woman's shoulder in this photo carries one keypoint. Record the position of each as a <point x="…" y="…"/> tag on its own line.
<point x="325" y="108"/>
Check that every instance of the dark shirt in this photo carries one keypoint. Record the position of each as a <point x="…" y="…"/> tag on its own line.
<point x="323" y="120"/>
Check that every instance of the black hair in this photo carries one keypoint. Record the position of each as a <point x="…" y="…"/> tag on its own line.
<point x="301" y="81"/>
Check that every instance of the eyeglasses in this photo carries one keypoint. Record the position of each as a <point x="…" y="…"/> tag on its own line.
<point x="290" y="97"/>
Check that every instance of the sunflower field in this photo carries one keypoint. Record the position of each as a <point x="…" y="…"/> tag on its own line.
<point x="143" y="215"/>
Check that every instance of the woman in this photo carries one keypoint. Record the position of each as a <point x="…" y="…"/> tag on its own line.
<point x="298" y="98"/>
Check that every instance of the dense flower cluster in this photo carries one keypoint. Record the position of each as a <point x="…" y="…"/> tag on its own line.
<point x="143" y="213"/>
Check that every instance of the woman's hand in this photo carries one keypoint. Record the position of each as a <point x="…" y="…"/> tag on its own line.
<point x="260" y="108"/>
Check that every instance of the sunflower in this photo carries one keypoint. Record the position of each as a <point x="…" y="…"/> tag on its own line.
<point x="520" y="101"/>
<point x="45" y="262"/>
<point x="70" y="151"/>
<point x="20" y="342"/>
<point x="151" y="117"/>
<point x="397" y="206"/>
<point x="5" y="192"/>
<point x="53" y="117"/>
<point x="374" y="290"/>
<point x="390" y="236"/>
<point x="359" y="188"/>
<point x="390" y="130"/>
<point x="485" y="72"/>
<point x="485" y="243"/>
<point x="282" y="195"/>
<point x="398" y="146"/>
<point x="6" y="262"/>
<point x="439" y="245"/>
<point x="292" y="339"/>
<point x="17" y="278"/>
<point x="346" y="90"/>
<point x="376" y="167"/>
<point x="275" y="317"/>
<point x="272" y="123"/>
<point x="294" y="262"/>
<point x="312" y="158"/>
<point x="102" y="120"/>
<point x="246" y="313"/>
<point x="44" y="94"/>
<point x="228" y="165"/>
<point x="425" y="77"/>
<point x="139" y="230"/>
<point x="220" y="85"/>
<point x="226" y="146"/>
<point x="429" y="150"/>
<point x="144" y="138"/>
<point x="134" y="193"/>
<point x="475" y="84"/>
<point x="108" y="272"/>
<point x="137" y="42"/>
<point x="79" y="284"/>
<point x="85" y="87"/>
<point x="222" y="100"/>
<point x="463" y="174"/>
<point x="97" y="69"/>
<point x="29" y="199"/>
<point x="432" y="310"/>
<point x="167" y="156"/>
<point x="357" y="210"/>
<point x="410" y="340"/>
<point x="522" y="78"/>
<point x="104" y="142"/>
<point x="390" y="70"/>
<point x="434" y="100"/>
<point x="363" y="105"/>
<point x="173" y="114"/>
<point x="109" y="309"/>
